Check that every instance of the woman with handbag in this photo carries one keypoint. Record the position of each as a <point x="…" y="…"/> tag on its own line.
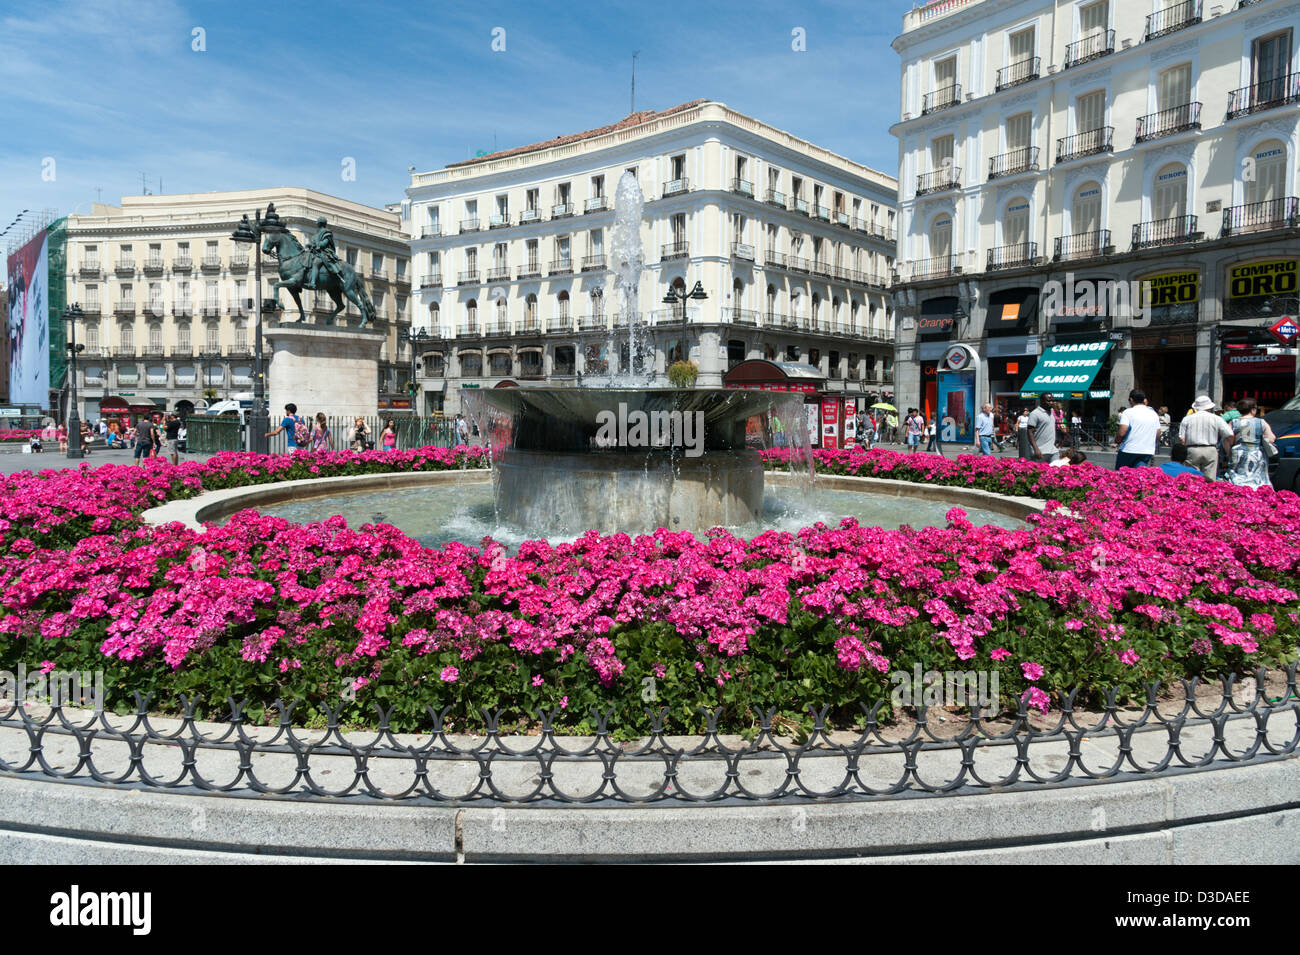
<point x="1252" y="446"/>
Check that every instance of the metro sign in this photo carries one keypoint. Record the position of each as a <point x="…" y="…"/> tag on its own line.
<point x="1285" y="330"/>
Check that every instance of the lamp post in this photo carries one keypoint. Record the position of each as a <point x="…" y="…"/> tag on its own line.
<point x="414" y="339"/>
<point x="675" y="296"/>
<point x="259" y="422"/>
<point x="71" y="315"/>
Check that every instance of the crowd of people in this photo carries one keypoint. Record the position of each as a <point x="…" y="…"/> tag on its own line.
<point x="316" y="436"/>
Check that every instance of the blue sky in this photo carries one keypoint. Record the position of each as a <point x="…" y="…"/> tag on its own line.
<point x="285" y="90"/>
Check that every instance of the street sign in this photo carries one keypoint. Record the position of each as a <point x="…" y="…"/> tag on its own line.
<point x="1285" y="330"/>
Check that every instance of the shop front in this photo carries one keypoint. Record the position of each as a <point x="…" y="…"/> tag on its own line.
<point x="935" y="329"/>
<point x="1085" y="314"/>
<point x="1164" y="339"/>
<point x="823" y="414"/>
<point x="1251" y="372"/>
<point x="1070" y="373"/>
<point x="1255" y="363"/>
<point x="1011" y="348"/>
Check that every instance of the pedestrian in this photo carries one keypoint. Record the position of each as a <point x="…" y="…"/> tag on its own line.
<point x="1041" y="425"/>
<point x="173" y="430"/>
<point x="1023" y="447"/>
<point x="156" y="451"/>
<point x="462" y="429"/>
<point x="359" y="439"/>
<point x="1166" y="423"/>
<point x="183" y="438"/>
<point x="1178" y="461"/>
<point x="62" y="435"/>
<point x="932" y="433"/>
<point x="296" y="431"/>
<point x="1139" y="429"/>
<point x="389" y="436"/>
<point x="1068" y="456"/>
<point x="915" y="426"/>
<point x="891" y="427"/>
<point x="320" y="435"/>
<point x="984" y="428"/>
<point x="1249" y="460"/>
<point x="1201" y="433"/>
<point x="144" y="430"/>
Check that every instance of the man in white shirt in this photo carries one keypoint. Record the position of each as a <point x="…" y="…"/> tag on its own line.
<point x="1202" y="432"/>
<point x="1139" y="429"/>
<point x="984" y="429"/>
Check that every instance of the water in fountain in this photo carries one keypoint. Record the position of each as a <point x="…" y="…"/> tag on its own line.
<point x="629" y="261"/>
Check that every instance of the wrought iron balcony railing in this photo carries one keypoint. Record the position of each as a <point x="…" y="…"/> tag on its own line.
<point x="89" y="267"/>
<point x="529" y="215"/>
<point x="500" y="220"/>
<point x="431" y="281"/>
<point x="431" y="232"/>
<point x="740" y="250"/>
<point x="471" y="225"/>
<point x="742" y="187"/>
<point x="821" y="212"/>
<point x="596" y="204"/>
<point x="1090" y="48"/>
<point x="593" y="320"/>
<point x="1082" y="245"/>
<point x="1172" y="19"/>
<point x="949" y="177"/>
<point x="561" y="267"/>
<point x="124" y="308"/>
<point x="529" y="270"/>
<point x="775" y="197"/>
<point x="125" y="267"/>
<point x="560" y="323"/>
<point x="774" y="259"/>
<point x="1014" y="162"/>
<point x="675" y="250"/>
<point x="1160" y="232"/>
<point x="942" y="98"/>
<point x="799" y="205"/>
<point x="1015" y="256"/>
<point x="1021" y="72"/>
<point x="183" y="263"/>
<point x="498" y="273"/>
<point x="935" y="267"/>
<point x="467" y="277"/>
<point x="593" y="263"/>
<point x="239" y="263"/>
<point x="1089" y="143"/>
<point x="741" y="316"/>
<point x="1266" y="94"/>
<point x="153" y="264"/>
<point x="561" y="210"/>
<point x="1283" y="213"/>
<point x="1167" y="122"/>
<point x="675" y="187"/>
<point x="211" y="263"/>
<point x="797" y="263"/>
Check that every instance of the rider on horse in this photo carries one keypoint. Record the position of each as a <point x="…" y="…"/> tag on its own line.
<point x="322" y="258"/>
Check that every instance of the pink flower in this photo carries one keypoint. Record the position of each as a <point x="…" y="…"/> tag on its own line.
<point x="1032" y="671"/>
<point x="537" y="680"/>
<point x="1037" y="699"/>
<point x="1000" y="654"/>
<point x="1128" y="658"/>
<point x="450" y="675"/>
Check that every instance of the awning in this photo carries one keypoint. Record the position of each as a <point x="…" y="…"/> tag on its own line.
<point x="1067" y="368"/>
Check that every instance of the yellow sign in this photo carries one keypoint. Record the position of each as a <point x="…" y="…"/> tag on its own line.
<point x="1171" y="288"/>
<point x="1254" y="279"/>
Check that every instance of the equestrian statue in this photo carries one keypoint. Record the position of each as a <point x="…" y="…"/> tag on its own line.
<point x="319" y="269"/>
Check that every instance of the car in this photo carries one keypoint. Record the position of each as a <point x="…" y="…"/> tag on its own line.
<point x="1285" y="422"/>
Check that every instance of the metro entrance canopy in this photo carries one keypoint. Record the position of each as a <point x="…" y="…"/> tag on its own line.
<point x="1067" y="368"/>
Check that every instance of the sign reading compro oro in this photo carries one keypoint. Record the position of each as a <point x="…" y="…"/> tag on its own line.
<point x="1263" y="278"/>
<point x="1067" y="368"/>
<point x="1170" y="288"/>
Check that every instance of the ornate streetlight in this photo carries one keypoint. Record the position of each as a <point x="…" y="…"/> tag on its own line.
<point x="72" y="314"/>
<point x="259" y="422"/>
<point x="414" y="338"/>
<point x="675" y="296"/>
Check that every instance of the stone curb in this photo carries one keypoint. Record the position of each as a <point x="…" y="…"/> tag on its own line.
<point x="1241" y="814"/>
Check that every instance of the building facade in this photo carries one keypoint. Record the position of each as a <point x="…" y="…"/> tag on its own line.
<point x="1087" y="171"/>
<point x="168" y="296"/>
<point x="792" y="244"/>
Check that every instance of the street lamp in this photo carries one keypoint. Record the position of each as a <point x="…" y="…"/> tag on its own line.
<point x="675" y="296"/>
<point x="414" y="339"/>
<point x="71" y="315"/>
<point x="246" y="232"/>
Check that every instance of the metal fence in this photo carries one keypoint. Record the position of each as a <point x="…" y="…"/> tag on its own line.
<point x="1197" y="726"/>
<point x="412" y="431"/>
<point x="210" y="434"/>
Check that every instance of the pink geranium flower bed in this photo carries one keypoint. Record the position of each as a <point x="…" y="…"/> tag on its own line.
<point x="1145" y="578"/>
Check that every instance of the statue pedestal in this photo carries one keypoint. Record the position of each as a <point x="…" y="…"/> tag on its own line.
<point x="323" y="368"/>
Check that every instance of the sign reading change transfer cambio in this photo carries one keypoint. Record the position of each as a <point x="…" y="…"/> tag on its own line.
<point x="1067" y="368"/>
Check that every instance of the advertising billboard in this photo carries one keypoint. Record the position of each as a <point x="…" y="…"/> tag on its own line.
<point x="29" y="323"/>
<point x="956" y="393"/>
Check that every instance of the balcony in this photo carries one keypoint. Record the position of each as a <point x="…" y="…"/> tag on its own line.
<point x="498" y="329"/>
<point x="125" y="267"/>
<point x="799" y="205"/>
<point x="1167" y="122"/>
<point x="559" y="323"/>
<point x="593" y="263"/>
<point x="596" y="204"/>
<point x="210" y="263"/>
<point x="89" y="269"/>
<point x="778" y="320"/>
<point x="823" y="268"/>
<point x="529" y="215"/>
<point x="775" y="197"/>
<point x="944" y="97"/>
<point x="1262" y="216"/>
<point x="431" y="281"/>
<point x="675" y="187"/>
<point x="741" y="316"/>
<point x="1015" y="256"/>
<point x="530" y="324"/>
<point x="468" y="277"/>
<point x="562" y="210"/>
<point x="1089" y="48"/>
<point x="182" y="351"/>
<point x="499" y="273"/>
<point x="1023" y="72"/>
<point x="211" y="310"/>
<point x="378" y="275"/>
<point x="940" y="180"/>
<point x="843" y="219"/>
<point x="152" y="350"/>
<point x="821" y="212"/>
<point x="674" y="250"/>
<point x="240" y="351"/>
<point x="1082" y="245"/>
<point x="1172" y="19"/>
<point x="592" y="320"/>
<point x="403" y="278"/>
<point x="739" y="250"/>
<point x="1159" y="232"/>
<point x="531" y="270"/>
<point x="91" y="310"/>
<point x="183" y="263"/>
<point x="469" y="329"/>
<point x="742" y="187"/>
<point x="1014" y="162"/>
<point x="1266" y="94"/>
<point x="210" y="350"/>
<point x="239" y="263"/>
<point x="797" y="263"/>
<point x="124" y="308"/>
<point x="1091" y="143"/>
<point x="560" y="267"/>
<point x="940" y="266"/>
<point x="470" y="225"/>
<point x="499" y="221"/>
<point x="124" y="351"/>
<point x="153" y="266"/>
<point x="431" y="232"/>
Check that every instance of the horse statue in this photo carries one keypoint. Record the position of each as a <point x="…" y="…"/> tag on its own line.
<point x="295" y="263"/>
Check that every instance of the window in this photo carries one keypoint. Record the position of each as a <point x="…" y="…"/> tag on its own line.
<point x="210" y="255"/>
<point x="530" y="200"/>
<point x="183" y="337"/>
<point x="941" y="237"/>
<point x="796" y="187"/>
<point x="155" y="337"/>
<point x="92" y="337"/>
<point x="1021" y="46"/>
<point x="92" y="298"/>
<point x="596" y="242"/>
<point x="1093" y="19"/>
<point x="241" y="336"/>
<point x="435" y="220"/>
<point x="126" y="337"/>
<point x="499" y="260"/>
<point x="155" y="298"/>
<point x="945" y="73"/>
<point x="503" y="208"/>
<point x="530" y="311"/>
<point x="471" y="315"/>
<point x="791" y="352"/>
<point x="562" y="250"/>
<point x="401" y="270"/>
<point x="1175" y="87"/>
<point x="212" y="339"/>
<point x="679" y="229"/>
<point x="471" y="364"/>
<point x="471" y="209"/>
<point x="562" y="306"/>
<point x="530" y="249"/>
<point x="530" y="364"/>
<point x="678" y="164"/>
<point x="738" y="223"/>
<point x="502" y="320"/>
<point x="499" y="364"/>
<point x="471" y="260"/>
<point x="742" y="168"/>
<point x="564" y="360"/>
<point x="773" y="179"/>
<point x="435" y="365"/>
<point x="435" y="317"/>
<point x="155" y="253"/>
<point x="1269" y="180"/>
<point x="1019" y="131"/>
<point x="209" y="294"/>
<point x="1015" y="224"/>
<point x="92" y="257"/>
<point x="377" y="263"/>
<point x="1086" y="214"/>
<point x="597" y="187"/>
<point x="941" y="153"/>
<point x="1169" y="198"/>
<point x="1269" y="66"/>
<point x="128" y="295"/>
<point x="1090" y="111"/>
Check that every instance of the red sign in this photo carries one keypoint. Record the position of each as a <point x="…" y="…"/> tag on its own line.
<point x="1285" y="330"/>
<point x="830" y="424"/>
<point x="1258" y="363"/>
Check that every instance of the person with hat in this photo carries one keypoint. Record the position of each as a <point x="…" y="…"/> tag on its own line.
<point x="1202" y="431"/>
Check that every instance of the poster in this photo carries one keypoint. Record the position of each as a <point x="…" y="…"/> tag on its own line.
<point x="850" y="422"/>
<point x="29" y="323"/>
<point x="957" y="406"/>
<point x="831" y="424"/>
<point x="814" y="424"/>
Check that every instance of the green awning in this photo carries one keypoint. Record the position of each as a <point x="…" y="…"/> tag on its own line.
<point x="1065" y="368"/>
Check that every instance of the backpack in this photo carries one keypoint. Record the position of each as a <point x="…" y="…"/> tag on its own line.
<point x="301" y="433"/>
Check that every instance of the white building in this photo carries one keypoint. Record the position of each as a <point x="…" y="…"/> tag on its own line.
<point x="166" y="293"/>
<point x="793" y="245"/>
<point x="1151" y="143"/>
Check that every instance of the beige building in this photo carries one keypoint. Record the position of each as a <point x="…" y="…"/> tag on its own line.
<point x="168" y="295"/>
<point x="792" y="244"/>
<point x="1148" y="144"/>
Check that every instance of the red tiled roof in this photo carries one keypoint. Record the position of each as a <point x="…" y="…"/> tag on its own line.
<point x="632" y="119"/>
